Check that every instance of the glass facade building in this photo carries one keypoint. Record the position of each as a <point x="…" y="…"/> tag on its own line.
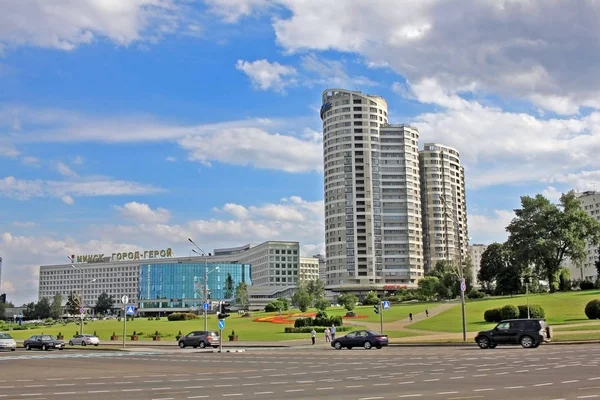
<point x="180" y="285"/>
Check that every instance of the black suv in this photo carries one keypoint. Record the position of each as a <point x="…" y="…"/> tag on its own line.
<point x="529" y="333"/>
<point x="200" y="339"/>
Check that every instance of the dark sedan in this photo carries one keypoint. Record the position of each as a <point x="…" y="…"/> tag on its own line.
<point x="43" y="342"/>
<point x="366" y="339"/>
<point x="200" y="339"/>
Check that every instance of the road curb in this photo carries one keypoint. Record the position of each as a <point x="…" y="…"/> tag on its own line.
<point x="471" y="344"/>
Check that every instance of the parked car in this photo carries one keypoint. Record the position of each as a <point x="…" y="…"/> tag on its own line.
<point x="529" y="333"/>
<point x="7" y="342"/>
<point x="366" y="339"/>
<point x="200" y="339"/>
<point x="84" y="340"/>
<point x="43" y="342"/>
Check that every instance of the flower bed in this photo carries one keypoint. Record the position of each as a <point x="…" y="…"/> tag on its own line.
<point x="283" y="319"/>
<point x="356" y="317"/>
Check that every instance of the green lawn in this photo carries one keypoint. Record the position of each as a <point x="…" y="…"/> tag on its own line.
<point x="561" y="308"/>
<point x="245" y="328"/>
<point x="395" y="313"/>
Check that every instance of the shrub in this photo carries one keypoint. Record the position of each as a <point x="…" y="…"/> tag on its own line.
<point x="535" y="311"/>
<point x="475" y="294"/>
<point x="586" y="285"/>
<point x="319" y="329"/>
<point x="274" y="306"/>
<point x="150" y="318"/>
<point x="302" y="322"/>
<point x="592" y="309"/>
<point x="181" y="316"/>
<point x="509" y="311"/>
<point x="157" y="319"/>
<point x="492" y="315"/>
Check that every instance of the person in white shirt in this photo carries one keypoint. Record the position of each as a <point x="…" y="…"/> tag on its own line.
<point x="313" y="335"/>
<point x="332" y="332"/>
<point x="327" y="335"/>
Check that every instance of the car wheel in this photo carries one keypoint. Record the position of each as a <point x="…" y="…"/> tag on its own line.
<point x="527" y="342"/>
<point x="44" y="347"/>
<point x="96" y="344"/>
<point x="83" y="344"/>
<point x="27" y="347"/>
<point x="367" y="345"/>
<point x="70" y="343"/>
<point x="182" y="345"/>
<point x="535" y="346"/>
<point x="349" y="347"/>
<point x="195" y="347"/>
<point x="337" y="346"/>
<point x="202" y="345"/>
<point x="483" y="343"/>
<point x="12" y="349"/>
<point x="61" y="348"/>
<point x="378" y="347"/>
<point x="492" y="345"/>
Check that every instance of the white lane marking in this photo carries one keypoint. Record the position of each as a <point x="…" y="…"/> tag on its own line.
<point x="232" y="394"/>
<point x="162" y="388"/>
<point x="153" y="381"/>
<point x="257" y="393"/>
<point x="81" y="378"/>
<point x="121" y="383"/>
<point x="24" y="380"/>
<point x="457" y="377"/>
<point x="447" y="393"/>
<point x="220" y="386"/>
<point x="573" y="381"/>
<point x="30" y="394"/>
<point x="484" y="390"/>
<point x="326" y="388"/>
<point x="479" y="375"/>
<point x="65" y="384"/>
<point x="30" y="386"/>
<point x="63" y="393"/>
<point x="381" y="384"/>
<point x="179" y="380"/>
<point x="588" y="396"/>
<point x="543" y="384"/>
<point x="514" y="387"/>
<point x="411" y="395"/>
<point x="593" y="379"/>
<point x="431" y="380"/>
<point x="294" y="390"/>
<point x="164" y="398"/>
<point x="370" y="398"/>
<point x="355" y="386"/>
<point x="131" y="390"/>
<point x="131" y="376"/>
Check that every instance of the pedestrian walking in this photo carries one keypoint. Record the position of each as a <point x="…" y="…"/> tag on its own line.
<point x="410" y="316"/>
<point x="332" y="330"/>
<point x="427" y="312"/>
<point x="327" y="335"/>
<point x="313" y="336"/>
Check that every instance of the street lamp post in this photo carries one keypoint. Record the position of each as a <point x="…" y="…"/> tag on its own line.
<point x="460" y="266"/>
<point x="206" y="272"/>
<point x="525" y="281"/>
<point x="83" y="282"/>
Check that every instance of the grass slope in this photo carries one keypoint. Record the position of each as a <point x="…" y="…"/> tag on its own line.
<point x="561" y="308"/>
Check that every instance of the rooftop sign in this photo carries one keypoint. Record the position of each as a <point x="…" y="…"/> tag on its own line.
<point x="124" y="256"/>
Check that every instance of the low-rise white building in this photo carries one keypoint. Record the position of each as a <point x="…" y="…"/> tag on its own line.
<point x="309" y="269"/>
<point x="590" y="202"/>
<point x="475" y="252"/>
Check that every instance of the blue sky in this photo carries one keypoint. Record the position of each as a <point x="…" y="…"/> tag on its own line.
<point x="135" y="125"/>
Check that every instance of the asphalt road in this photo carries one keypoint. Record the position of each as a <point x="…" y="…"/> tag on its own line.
<point x="549" y="372"/>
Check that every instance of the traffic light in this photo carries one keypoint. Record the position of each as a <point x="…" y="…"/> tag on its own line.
<point x="3" y="298"/>
<point x="376" y="308"/>
<point x="224" y="310"/>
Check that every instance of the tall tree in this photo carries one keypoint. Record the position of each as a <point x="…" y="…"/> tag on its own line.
<point x="428" y="286"/>
<point x="544" y="234"/>
<point x="42" y="308"/>
<point x="2" y="310"/>
<point x="56" y="308"/>
<point x="493" y="260"/>
<point x="316" y="289"/>
<point x="598" y="263"/>
<point x="302" y="299"/>
<point x="241" y="295"/>
<point x="29" y="312"/>
<point x="104" y="303"/>
<point x="73" y="303"/>
<point x="229" y="287"/>
<point x="348" y="301"/>
<point x="508" y="280"/>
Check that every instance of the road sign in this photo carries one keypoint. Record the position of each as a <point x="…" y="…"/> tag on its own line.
<point x="221" y="324"/>
<point x="82" y="310"/>
<point x="463" y="286"/>
<point x="130" y="310"/>
<point x="206" y="306"/>
<point x="385" y="304"/>
<point x="125" y="299"/>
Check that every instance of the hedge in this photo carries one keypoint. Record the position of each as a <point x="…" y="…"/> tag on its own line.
<point x="318" y="321"/>
<point x="510" y="311"/>
<point x="592" y="309"/>
<point x="319" y="329"/>
<point x="181" y="316"/>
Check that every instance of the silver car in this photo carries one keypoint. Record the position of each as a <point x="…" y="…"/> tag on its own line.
<point x="84" y="340"/>
<point x="7" y="342"/>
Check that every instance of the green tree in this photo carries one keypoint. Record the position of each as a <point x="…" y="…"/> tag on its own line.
<point x="316" y="289"/>
<point x="56" y="307"/>
<point x="73" y="303"/>
<point x="104" y="303"/>
<point x="544" y="234"/>
<point x="564" y="279"/>
<point x="508" y="281"/>
<point x="42" y="308"/>
<point x="493" y="261"/>
<point x="371" y="299"/>
<point x="29" y="312"/>
<point x="302" y="299"/>
<point x="285" y="303"/>
<point x="322" y="304"/>
<point x="348" y="301"/>
<point x="241" y="295"/>
<point x="597" y="263"/>
<point x="428" y="286"/>
<point x="229" y="287"/>
<point x="2" y="310"/>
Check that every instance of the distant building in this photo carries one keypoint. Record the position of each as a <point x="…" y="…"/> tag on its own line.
<point x="590" y="201"/>
<point x="309" y="269"/>
<point x="475" y="253"/>
<point x="322" y="267"/>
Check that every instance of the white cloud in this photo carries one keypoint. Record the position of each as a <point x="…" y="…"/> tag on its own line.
<point x="78" y="160"/>
<point x="266" y="75"/>
<point x="8" y="150"/>
<point x="68" y="200"/>
<point x="171" y="159"/>
<point x="552" y="194"/>
<point x="506" y="46"/>
<point x="330" y="73"/>
<point x="65" y="170"/>
<point x="490" y="228"/>
<point x="255" y="147"/>
<point x="142" y="213"/>
<point x="67" y="24"/>
<point x="236" y="210"/>
<point x="26" y="189"/>
<point x="30" y="160"/>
